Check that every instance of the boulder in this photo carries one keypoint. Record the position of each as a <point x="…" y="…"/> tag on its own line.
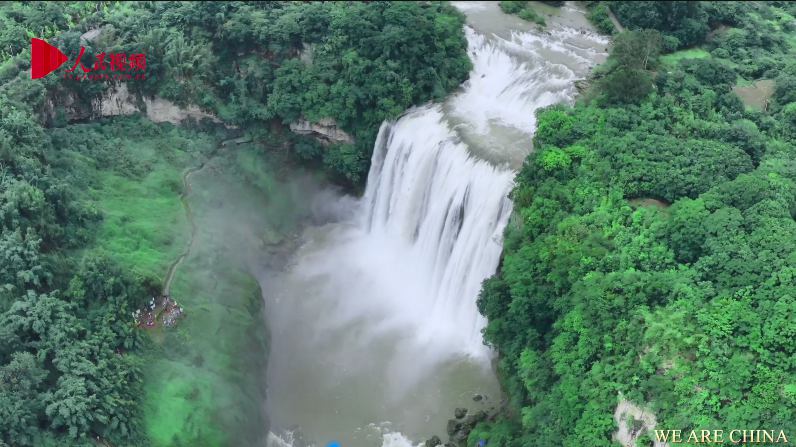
<point x="460" y="413"/>
<point x="434" y="441"/>
<point x="459" y="431"/>
<point x="460" y="437"/>
<point x="453" y="426"/>
<point x="470" y="421"/>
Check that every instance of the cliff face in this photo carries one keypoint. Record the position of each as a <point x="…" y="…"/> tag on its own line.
<point x="118" y="101"/>
<point x="325" y="130"/>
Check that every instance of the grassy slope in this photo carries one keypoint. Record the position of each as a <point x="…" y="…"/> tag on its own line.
<point x="197" y="379"/>
<point x="207" y="384"/>
<point x="144" y="224"/>
<point x="201" y="389"/>
<point x="690" y="53"/>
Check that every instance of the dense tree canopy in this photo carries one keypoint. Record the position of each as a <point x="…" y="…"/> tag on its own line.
<point x="64" y="324"/>
<point x="682" y="24"/>
<point x="651" y="253"/>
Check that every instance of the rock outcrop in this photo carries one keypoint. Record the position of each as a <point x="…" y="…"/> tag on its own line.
<point x="459" y="430"/>
<point x="433" y="442"/>
<point x="633" y="422"/>
<point x="162" y="110"/>
<point x="90" y="35"/>
<point x="325" y="130"/>
<point x="118" y="101"/>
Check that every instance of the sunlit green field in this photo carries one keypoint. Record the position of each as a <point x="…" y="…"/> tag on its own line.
<point x="677" y="56"/>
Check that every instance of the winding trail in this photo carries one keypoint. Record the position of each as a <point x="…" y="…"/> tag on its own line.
<point x="615" y="21"/>
<point x="186" y="191"/>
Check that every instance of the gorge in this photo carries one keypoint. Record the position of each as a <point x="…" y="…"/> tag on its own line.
<point x="396" y="223"/>
<point x="375" y="334"/>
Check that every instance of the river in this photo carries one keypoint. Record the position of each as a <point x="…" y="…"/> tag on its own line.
<point x="375" y="333"/>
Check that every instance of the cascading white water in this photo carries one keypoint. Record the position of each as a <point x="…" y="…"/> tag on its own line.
<point x="442" y="212"/>
<point x="375" y="328"/>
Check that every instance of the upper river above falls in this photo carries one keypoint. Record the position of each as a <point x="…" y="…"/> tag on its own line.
<point x="375" y="333"/>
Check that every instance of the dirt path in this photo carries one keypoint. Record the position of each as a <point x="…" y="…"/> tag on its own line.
<point x="613" y="18"/>
<point x="186" y="191"/>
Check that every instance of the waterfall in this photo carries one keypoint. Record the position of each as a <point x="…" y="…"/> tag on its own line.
<point x="376" y="335"/>
<point x="444" y="211"/>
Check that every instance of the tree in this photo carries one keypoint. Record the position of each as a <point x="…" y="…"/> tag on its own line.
<point x="637" y="49"/>
<point x="627" y="80"/>
<point x="626" y="86"/>
<point x="684" y="23"/>
<point x="19" y="402"/>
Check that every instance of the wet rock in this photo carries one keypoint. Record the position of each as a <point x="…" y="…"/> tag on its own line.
<point x="434" y="441"/>
<point x="582" y="85"/>
<point x="460" y="413"/>
<point x="460" y="437"/>
<point x="90" y="35"/>
<point x="470" y="421"/>
<point x="453" y="426"/>
<point x="459" y="431"/>
<point x="478" y="398"/>
<point x="449" y="444"/>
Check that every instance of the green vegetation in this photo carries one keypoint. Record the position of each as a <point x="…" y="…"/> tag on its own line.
<point x="358" y="63"/>
<point x="91" y="215"/>
<point x="682" y="24"/>
<point x="600" y="16"/>
<point x="131" y="170"/>
<point x="692" y="53"/>
<point x="627" y="76"/>
<point x="759" y="45"/>
<point x="70" y="364"/>
<point x="523" y="10"/>
<point x="193" y="385"/>
<point x="204" y="381"/>
<point x="650" y="256"/>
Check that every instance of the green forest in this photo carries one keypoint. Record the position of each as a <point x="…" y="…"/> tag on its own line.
<point x="651" y="253"/>
<point x="90" y="212"/>
<point x="249" y="63"/>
